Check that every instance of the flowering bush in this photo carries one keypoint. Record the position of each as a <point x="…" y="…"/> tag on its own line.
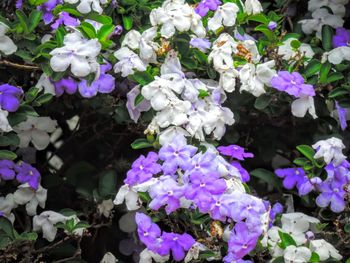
<point x="187" y="131"/>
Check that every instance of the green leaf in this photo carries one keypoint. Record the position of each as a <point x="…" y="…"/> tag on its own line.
<point x="103" y="19"/>
<point x="37" y="2"/>
<point x="28" y="236"/>
<point x="189" y="63"/>
<point x="295" y="44"/>
<point x="127" y="22"/>
<point x="314" y="257"/>
<point x="44" y="98"/>
<point x="200" y="56"/>
<point x="140" y="144"/>
<point x="104" y="32"/>
<point x="312" y="68"/>
<point x="347" y="228"/>
<point x="143" y="77"/>
<point x="203" y="93"/>
<point x="267" y="176"/>
<point x="338" y="92"/>
<point x="7" y="155"/>
<point x="145" y="197"/>
<point x="9" y="139"/>
<point x="31" y="94"/>
<point x="6" y="226"/>
<point x="334" y="77"/>
<point x="60" y="32"/>
<point x="327" y="36"/>
<point x="207" y="254"/>
<point x="262" y="101"/>
<point x="34" y="19"/>
<point x="107" y="184"/>
<point x="286" y="240"/>
<point x="23" y="20"/>
<point x="61" y="8"/>
<point x="307" y="151"/>
<point x="325" y="68"/>
<point x="88" y="30"/>
<point x="81" y="224"/>
<point x="259" y="18"/>
<point x="139" y="98"/>
<point x="278" y="260"/>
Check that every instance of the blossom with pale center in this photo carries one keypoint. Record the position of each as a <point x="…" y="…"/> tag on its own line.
<point x="45" y="222"/>
<point x="330" y="150"/>
<point x="26" y="195"/>
<point x="225" y="15"/>
<point x="6" y="44"/>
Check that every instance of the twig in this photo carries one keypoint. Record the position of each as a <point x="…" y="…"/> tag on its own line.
<point x="19" y="66"/>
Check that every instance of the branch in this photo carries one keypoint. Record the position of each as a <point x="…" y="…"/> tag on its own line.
<point x="19" y="66"/>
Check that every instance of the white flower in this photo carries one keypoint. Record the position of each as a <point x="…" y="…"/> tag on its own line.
<point x="228" y="79"/>
<point x="86" y="6"/>
<point x="30" y="197"/>
<point x="45" y="222"/>
<point x="337" y="6"/>
<point x="225" y="15"/>
<point x="173" y="15"/>
<point x="130" y="197"/>
<point x="296" y="224"/>
<point x="105" y="207"/>
<point x="6" y="44"/>
<point x="320" y="17"/>
<point x="109" y="258"/>
<point x="324" y="249"/>
<point x="45" y="83"/>
<point x="287" y="51"/>
<point x="144" y="42"/>
<point x="302" y="105"/>
<point x="146" y="256"/>
<point x="221" y="54"/>
<point x="193" y="253"/>
<point x="253" y="7"/>
<point x="170" y="133"/>
<point x="7" y="204"/>
<point x="4" y="123"/>
<point x="330" y="150"/>
<point x="35" y="130"/>
<point x="294" y="254"/>
<point x="337" y="55"/>
<point x="128" y="62"/>
<point x="77" y="52"/>
<point x="253" y="78"/>
<point x="273" y="240"/>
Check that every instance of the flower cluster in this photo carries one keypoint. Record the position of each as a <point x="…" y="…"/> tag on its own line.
<point x="194" y="180"/>
<point x="302" y="243"/>
<point x="333" y="189"/>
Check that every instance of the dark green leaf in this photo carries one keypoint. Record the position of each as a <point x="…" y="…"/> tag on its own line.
<point x="312" y="68"/>
<point x="267" y="176"/>
<point x="334" y="77"/>
<point x="139" y="98"/>
<point x="143" y="77"/>
<point x="325" y="68"/>
<point x="107" y="184"/>
<point x="23" y="20"/>
<point x="338" y="92"/>
<point x="105" y="20"/>
<point x="88" y="30"/>
<point x="140" y="144"/>
<point x="8" y="155"/>
<point x="314" y="257"/>
<point x="9" y="139"/>
<point x="286" y="240"/>
<point x="262" y="101"/>
<point x="327" y="36"/>
<point x="44" y="98"/>
<point x="6" y="226"/>
<point x="34" y="19"/>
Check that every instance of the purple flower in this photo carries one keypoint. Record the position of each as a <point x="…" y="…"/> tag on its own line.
<point x="272" y="25"/>
<point x="176" y="154"/>
<point x="147" y="230"/>
<point x="19" y="4"/>
<point x="242" y="240"/>
<point x="342" y="116"/>
<point x="205" y="5"/>
<point x="293" y="84"/>
<point x="10" y="97"/>
<point x="166" y="193"/>
<point x="143" y="169"/>
<point x="27" y="174"/>
<point x="65" y="19"/>
<point x="333" y="193"/>
<point x="292" y="176"/>
<point x="275" y="210"/>
<point x="231" y="258"/>
<point x="235" y="151"/>
<point x="203" y="187"/>
<point x="7" y="170"/>
<point x="243" y="37"/>
<point x="117" y="30"/>
<point x="221" y="206"/>
<point x="244" y="173"/>
<point x="135" y="110"/>
<point x="176" y="243"/>
<point x="203" y="44"/>
<point x="104" y="84"/>
<point x="341" y="37"/>
<point x="67" y="85"/>
<point x="47" y="9"/>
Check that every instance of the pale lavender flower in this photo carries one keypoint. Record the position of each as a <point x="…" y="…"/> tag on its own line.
<point x="19" y="4"/>
<point x="341" y="38"/>
<point x="67" y="85"/>
<point x="247" y="208"/>
<point x="176" y="154"/>
<point x="341" y="115"/>
<point x="243" y="172"/>
<point x="166" y="193"/>
<point x="203" y="44"/>
<point x="272" y="25"/>
<point x="47" y="9"/>
<point x="203" y="163"/>
<point x="135" y="110"/>
<point x="65" y="19"/>
<point x="333" y="194"/>
<point x="7" y="170"/>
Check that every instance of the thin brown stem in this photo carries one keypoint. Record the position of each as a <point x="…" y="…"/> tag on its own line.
<point x="19" y="66"/>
